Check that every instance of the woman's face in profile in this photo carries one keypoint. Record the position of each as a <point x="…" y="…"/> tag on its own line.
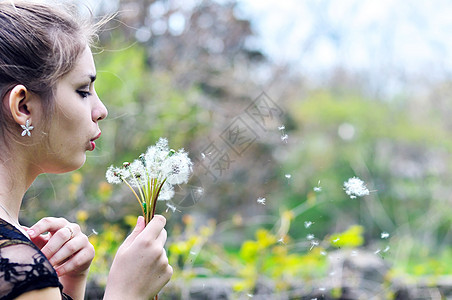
<point x="74" y="124"/>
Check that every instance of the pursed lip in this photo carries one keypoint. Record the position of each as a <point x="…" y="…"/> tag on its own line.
<point x="96" y="137"/>
<point x="92" y="144"/>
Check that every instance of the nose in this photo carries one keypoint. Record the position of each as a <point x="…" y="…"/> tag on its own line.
<point x="99" y="111"/>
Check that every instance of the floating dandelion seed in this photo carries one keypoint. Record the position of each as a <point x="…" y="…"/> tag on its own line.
<point x="355" y="187"/>
<point x="336" y="240"/>
<point x="323" y="253"/>
<point x="93" y="231"/>
<point x="386" y="249"/>
<point x="354" y="253"/>
<point x="281" y="128"/>
<point x="313" y="244"/>
<point x="284" y="138"/>
<point x="384" y="235"/>
<point x="308" y="224"/>
<point x="318" y="188"/>
<point x="281" y="240"/>
<point x="261" y="200"/>
<point x="203" y="155"/>
<point x="288" y="176"/>
<point x="377" y="251"/>
<point x="310" y="236"/>
<point x="171" y="207"/>
<point x="322" y="289"/>
<point x="198" y="192"/>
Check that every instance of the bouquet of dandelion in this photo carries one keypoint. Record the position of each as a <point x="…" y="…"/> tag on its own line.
<point x="153" y="175"/>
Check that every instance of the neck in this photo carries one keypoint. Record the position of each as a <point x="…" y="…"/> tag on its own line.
<point x="15" y="179"/>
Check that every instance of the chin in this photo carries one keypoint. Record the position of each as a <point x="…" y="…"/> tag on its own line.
<point x="68" y="166"/>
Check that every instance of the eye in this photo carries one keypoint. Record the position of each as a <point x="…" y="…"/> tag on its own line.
<point x="84" y="94"/>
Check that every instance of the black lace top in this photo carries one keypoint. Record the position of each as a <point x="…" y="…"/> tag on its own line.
<point x="23" y="267"/>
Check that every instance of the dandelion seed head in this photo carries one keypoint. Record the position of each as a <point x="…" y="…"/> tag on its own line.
<point x="177" y="168"/>
<point x="162" y="144"/>
<point x="166" y="193"/>
<point x="137" y="170"/>
<point x="113" y="175"/>
<point x="355" y="187"/>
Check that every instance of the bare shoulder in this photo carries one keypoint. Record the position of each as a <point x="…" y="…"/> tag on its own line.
<point x="49" y="293"/>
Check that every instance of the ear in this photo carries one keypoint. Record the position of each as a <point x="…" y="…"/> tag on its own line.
<point x="19" y="104"/>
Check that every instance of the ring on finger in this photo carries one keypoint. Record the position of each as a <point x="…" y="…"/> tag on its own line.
<point x="72" y="232"/>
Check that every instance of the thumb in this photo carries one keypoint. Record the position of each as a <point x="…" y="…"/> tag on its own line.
<point x="136" y="231"/>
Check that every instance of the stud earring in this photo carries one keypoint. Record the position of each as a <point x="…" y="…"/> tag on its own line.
<point x="27" y="128"/>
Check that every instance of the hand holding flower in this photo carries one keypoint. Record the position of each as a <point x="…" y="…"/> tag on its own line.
<point x="140" y="268"/>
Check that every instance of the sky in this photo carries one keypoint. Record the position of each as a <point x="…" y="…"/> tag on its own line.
<point x="392" y="42"/>
<point x="393" y="38"/>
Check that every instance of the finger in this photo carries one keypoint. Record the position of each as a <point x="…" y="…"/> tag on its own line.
<point x="58" y="239"/>
<point x="48" y="224"/>
<point x="155" y="226"/>
<point x="67" y="250"/>
<point x="136" y="231"/>
<point x="161" y="239"/>
<point x="78" y="261"/>
<point x="40" y="240"/>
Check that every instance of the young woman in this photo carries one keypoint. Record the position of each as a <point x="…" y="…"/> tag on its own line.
<point x="49" y="118"/>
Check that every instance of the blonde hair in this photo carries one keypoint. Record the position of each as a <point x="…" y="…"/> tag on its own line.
<point x="39" y="43"/>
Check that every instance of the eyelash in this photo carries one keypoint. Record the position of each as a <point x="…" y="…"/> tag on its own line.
<point x="84" y="94"/>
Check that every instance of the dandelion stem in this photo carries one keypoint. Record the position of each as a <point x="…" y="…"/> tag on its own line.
<point x="154" y="200"/>
<point x="136" y="196"/>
